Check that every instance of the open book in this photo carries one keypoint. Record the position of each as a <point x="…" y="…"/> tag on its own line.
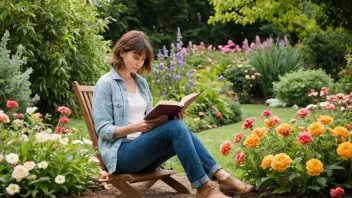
<point x="171" y="108"/>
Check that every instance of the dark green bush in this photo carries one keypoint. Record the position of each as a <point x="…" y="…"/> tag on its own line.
<point x="344" y="85"/>
<point x="293" y="88"/>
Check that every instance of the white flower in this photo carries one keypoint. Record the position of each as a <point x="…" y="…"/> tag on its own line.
<point x="31" y="110"/>
<point x="86" y="141"/>
<point x="295" y="106"/>
<point x="60" y="179"/>
<point x="24" y="137"/>
<point x="19" y="172"/>
<point x="29" y="165"/>
<point x="1" y="157"/>
<point x="53" y="137"/>
<point x="13" y="189"/>
<point x="64" y="141"/>
<point x="32" y="177"/>
<point x="48" y="130"/>
<point x="106" y="186"/>
<point x="18" y="122"/>
<point x="311" y="107"/>
<point x="77" y="142"/>
<point x="93" y="159"/>
<point x="41" y="137"/>
<point x="84" y="151"/>
<point x="12" y="158"/>
<point x="43" y="165"/>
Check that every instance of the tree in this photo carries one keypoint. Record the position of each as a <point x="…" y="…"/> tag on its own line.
<point x="62" y="42"/>
<point x="289" y="16"/>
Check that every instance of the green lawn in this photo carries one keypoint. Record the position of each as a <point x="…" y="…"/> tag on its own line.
<point x="214" y="137"/>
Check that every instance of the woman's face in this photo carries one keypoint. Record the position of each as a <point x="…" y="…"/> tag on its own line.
<point x="133" y="61"/>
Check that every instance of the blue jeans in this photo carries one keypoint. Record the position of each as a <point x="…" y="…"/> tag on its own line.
<point x="147" y="152"/>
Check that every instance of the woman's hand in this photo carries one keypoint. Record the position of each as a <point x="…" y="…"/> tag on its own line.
<point x="147" y="125"/>
<point x="179" y="116"/>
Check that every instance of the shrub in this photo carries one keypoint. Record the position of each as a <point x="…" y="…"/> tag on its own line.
<point x="273" y="61"/>
<point x="344" y="85"/>
<point x="62" y="43"/>
<point x="14" y="85"/>
<point x="36" y="160"/>
<point x="293" y="88"/>
<point x="311" y="153"/>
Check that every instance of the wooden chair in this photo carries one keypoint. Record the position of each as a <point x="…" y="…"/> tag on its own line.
<point x="121" y="181"/>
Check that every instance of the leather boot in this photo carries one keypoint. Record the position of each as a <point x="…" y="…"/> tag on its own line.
<point x="209" y="190"/>
<point x="231" y="185"/>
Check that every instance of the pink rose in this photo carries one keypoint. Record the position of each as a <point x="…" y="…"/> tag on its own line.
<point x="305" y="138"/>
<point x="302" y="113"/>
<point x="64" y="110"/>
<point x="240" y="158"/>
<point x="11" y="104"/>
<point x="64" y="120"/>
<point x="218" y="114"/>
<point x="338" y="192"/>
<point x="266" y="113"/>
<point x="18" y="115"/>
<point x="248" y="123"/>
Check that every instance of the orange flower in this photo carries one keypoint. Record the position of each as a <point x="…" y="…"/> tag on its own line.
<point x="281" y="162"/>
<point x="314" y="167"/>
<point x="340" y="131"/>
<point x="284" y="130"/>
<point x="225" y="148"/>
<point x="267" y="161"/>
<point x="272" y="121"/>
<point x="326" y="120"/>
<point x="344" y="150"/>
<point x="260" y="132"/>
<point x="316" y="128"/>
<point x="252" y="141"/>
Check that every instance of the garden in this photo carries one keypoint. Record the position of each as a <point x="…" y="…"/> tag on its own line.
<point x="275" y="103"/>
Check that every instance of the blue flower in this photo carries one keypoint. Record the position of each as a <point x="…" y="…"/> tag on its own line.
<point x="221" y="78"/>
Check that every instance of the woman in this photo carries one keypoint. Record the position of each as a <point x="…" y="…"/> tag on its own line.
<point x="130" y="144"/>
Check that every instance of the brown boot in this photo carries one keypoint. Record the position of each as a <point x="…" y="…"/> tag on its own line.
<point x="209" y="190"/>
<point x="232" y="185"/>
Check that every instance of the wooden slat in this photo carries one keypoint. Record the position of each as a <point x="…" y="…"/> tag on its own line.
<point x="144" y="177"/>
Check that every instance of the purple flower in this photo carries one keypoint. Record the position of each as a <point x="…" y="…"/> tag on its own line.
<point x="245" y="45"/>
<point x="189" y="75"/>
<point x="177" y="77"/>
<point x="179" y="36"/>
<point x="166" y="52"/>
<point x="160" y="55"/>
<point x="221" y="78"/>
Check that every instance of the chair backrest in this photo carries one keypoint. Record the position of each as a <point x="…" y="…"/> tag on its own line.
<point x="85" y="95"/>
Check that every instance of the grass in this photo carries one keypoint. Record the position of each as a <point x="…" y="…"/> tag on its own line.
<point x="213" y="138"/>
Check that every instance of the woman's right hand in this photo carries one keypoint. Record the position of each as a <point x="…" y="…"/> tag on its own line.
<point x="147" y="125"/>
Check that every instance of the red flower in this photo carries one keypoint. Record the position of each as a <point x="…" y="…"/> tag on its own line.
<point x="238" y="137"/>
<point x="64" y="110"/>
<point x="225" y="148"/>
<point x="248" y="123"/>
<point x="64" y="120"/>
<point x="56" y="147"/>
<point x="350" y="126"/>
<point x="302" y="113"/>
<point x="338" y="192"/>
<point x="305" y="138"/>
<point x="11" y="104"/>
<point x="240" y="158"/>
<point x="218" y="114"/>
<point x="266" y="113"/>
<point x="58" y="130"/>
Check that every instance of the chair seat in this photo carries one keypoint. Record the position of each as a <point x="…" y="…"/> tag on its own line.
<point x="157" y="174"/>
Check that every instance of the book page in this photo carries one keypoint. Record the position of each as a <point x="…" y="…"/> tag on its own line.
<point x="187" y="100"/>
<point x="169" y="102"/>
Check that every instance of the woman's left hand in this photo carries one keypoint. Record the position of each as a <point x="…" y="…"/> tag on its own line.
<point x="179" y="116"/>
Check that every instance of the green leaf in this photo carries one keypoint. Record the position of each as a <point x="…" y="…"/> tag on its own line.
<point x="280" y="191"/>
<point x="321" y="181"/>
<point x="44" y="188"/>
<point x="292" y="176"/>
<point x="314" y="187"/>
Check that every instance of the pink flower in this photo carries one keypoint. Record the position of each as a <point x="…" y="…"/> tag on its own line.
<point x="302" y="113"/>
<point x="58" y="129"/>
<point x="338" y="192"/>
<point x="313" y="93"/>
<point x="248" y="123"/>
<point x="38" y="116"/>
<point x="201" y="113"/>
<point x="56" y="147"/>
<point x="266" y="113"/>
<point x="11" y="104"/>
<point x="209" y="60"/>
<point x="238" y="137"/>
<point x="64" y="120"/>
<point x="213" y="107"/>
<point x="324" y="91"/>
<point x="332" y="98"/>
<point x="64" y="110"/>
<point x="340" y="96"/>
<point x="218" y="114"/>
<point x="240" y="158"/>
<point x="225" y="148"/>
<point x="330" y="107"/>
<point x="18" y="115"/>
<point x="305" y="138"/>
<point x="4" y="118"/>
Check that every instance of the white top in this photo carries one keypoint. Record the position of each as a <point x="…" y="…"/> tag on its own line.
<point x="137" y="108"/>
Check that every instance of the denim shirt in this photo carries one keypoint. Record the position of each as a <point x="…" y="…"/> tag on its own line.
<point x="110" y="110"/>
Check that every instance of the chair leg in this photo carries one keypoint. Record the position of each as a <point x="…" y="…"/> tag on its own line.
<point x="150" y="183"/>
<point x="179" y="187"/>
<point x="126" y="188"/>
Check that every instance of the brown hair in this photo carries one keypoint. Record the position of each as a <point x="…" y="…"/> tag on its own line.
<point x="137" y="42"/>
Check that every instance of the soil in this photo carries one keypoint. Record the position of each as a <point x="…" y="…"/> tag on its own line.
<point x="161" y="190"/>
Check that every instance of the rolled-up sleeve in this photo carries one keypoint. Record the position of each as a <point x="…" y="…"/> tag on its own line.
<point x="103" y="111"/>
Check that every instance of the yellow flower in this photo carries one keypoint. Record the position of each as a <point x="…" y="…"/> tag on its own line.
<point x="267" y="161"/>
<point x="284" y="130"/>
<point x="252" y="141"/>
<point x="314" y="167"/>
<point x="344" y="150"/>
<point x="260" y="132"/>
<point x="316" y="128"/>
<point x="281" y="162"/>
<point x="340" y="131"/>
<point x="326" y="120"/>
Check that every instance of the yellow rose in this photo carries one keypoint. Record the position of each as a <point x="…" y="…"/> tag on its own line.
<point x="316" y="128"/>
<point x="326" y="120"/>
<point x="314" y="167"/>
<point x="260" y="132"/>
<point x="267" y="161"/>
<point x="340" y="131"/>
<point x="284" y="130"/>
<point x="252" y="141"/>
<point x="344" y="150"/>
<point x="281" y="162"/>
